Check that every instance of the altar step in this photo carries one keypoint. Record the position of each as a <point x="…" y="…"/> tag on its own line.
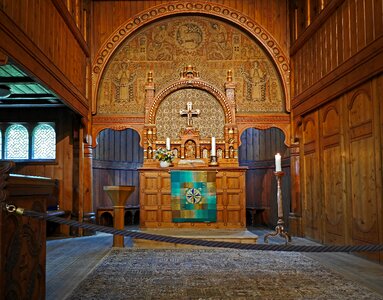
<point x="236" y="236"/>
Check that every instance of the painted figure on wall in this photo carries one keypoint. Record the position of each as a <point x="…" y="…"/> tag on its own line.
<point x="256" y="83"/>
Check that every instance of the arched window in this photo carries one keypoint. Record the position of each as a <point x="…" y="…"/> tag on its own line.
<point x="16" y="142"/>
<point x="43" y="142"/>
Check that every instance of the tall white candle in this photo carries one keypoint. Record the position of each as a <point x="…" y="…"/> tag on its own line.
<point x="167" y="143"/>
<point x="213" y="146"/>
<point x="278" y="167"/>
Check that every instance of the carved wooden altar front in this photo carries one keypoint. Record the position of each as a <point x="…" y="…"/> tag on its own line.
<point x="155" y="199"/>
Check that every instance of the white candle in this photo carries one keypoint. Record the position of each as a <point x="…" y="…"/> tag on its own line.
<point x="278" y="167"/>
<point x="167" y="143"/>
<point x="213" y="146"/>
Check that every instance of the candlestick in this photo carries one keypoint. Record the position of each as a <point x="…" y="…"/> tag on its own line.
<point x="278" y="167"/>
<point x="167" y="143"/>
<point x="213" y="153"/>
<point x="279" y="229"/>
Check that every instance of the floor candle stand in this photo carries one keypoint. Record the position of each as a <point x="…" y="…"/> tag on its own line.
<point x="279" y="229"/>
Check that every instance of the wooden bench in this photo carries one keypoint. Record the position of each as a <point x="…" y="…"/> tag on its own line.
<point x="105" y="215"/>
<point x="254" y="215"/>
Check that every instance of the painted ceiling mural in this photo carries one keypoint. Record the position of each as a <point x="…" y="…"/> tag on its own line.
<point x="211" y="46"/>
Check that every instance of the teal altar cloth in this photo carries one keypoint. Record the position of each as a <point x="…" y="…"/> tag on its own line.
<point x="193" y="196"/>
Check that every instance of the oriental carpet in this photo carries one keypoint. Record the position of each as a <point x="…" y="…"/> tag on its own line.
<point x="214" y="274"/>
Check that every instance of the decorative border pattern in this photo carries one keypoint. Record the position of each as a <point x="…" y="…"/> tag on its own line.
<point x="196" y="7"/>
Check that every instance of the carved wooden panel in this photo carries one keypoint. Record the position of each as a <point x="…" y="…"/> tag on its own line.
<point x="364" y="192"/>
<point x="333" y="176"/>
<point x="22" y="239"/>
<point x="311" y="207"/>
<point x="155" y="200"/>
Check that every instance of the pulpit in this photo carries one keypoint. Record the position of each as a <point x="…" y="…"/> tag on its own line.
<point x="119" y="195"/>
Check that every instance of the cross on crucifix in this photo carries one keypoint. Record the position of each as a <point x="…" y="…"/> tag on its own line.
<point x="189" y="113"/>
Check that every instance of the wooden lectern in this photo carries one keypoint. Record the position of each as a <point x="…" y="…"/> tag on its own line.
<point x="118" y="195"/>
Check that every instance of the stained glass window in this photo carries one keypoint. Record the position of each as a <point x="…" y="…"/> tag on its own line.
<point x="44" y="142"/>
<point x="16" y="142"/>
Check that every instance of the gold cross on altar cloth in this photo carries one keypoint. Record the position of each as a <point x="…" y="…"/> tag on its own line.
<point x="189" y="112"/>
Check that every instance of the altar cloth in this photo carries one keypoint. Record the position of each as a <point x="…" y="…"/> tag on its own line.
<point x="193" y="196"/>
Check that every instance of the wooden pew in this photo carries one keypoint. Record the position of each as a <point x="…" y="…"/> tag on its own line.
<point x="22" y="239"/>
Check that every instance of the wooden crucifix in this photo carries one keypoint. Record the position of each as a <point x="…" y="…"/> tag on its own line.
<point x="189" y="112"/>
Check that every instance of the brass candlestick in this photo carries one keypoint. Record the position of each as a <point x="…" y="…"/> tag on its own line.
<point x="279" y="229"/>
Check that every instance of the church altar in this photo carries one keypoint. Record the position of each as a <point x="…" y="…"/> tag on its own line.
<point x="156" y="200"/>
<point x="195" y="123"/>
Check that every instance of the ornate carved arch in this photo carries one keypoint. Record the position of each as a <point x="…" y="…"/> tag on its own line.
<point x="192" y="7"/>
<point x="100" y="127"/>
<point x="284" y="127"/>
<point x="194" y="83"/>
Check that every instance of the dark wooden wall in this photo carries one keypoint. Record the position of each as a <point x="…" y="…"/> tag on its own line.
<point x="67" y="151"/>
<point x="48" y="40"/>
<point x="115" y="162"/>
<point x="337" y="112"/>
<point x="257" y="151"/>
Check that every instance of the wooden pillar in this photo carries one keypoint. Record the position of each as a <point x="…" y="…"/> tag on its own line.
<point x="295" y="215"/>
<point x="85" y="210"/>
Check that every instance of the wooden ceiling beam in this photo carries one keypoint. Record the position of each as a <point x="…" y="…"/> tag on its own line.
<point x="16" y="80"/>
<point x="32" y="97"/>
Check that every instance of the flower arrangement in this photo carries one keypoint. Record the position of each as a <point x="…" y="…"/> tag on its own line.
<point x="164" y="155"/>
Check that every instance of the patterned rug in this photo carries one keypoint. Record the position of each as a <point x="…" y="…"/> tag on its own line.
<point x="214" y="274"/>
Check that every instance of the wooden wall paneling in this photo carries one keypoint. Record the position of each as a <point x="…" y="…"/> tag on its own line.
<point x="377" y="92"/>
<point x="347" y="31"/>
<point x="363" y="191"/>
<point x="334" y="41"/>
<point x="361" y="20"/>
<point x="116" y="158"/>
<point x="339" y="36"/>
<point x="369" y="21"/>
<point x="328" y="46"/>
<point x="353" y="27"/>
<point x="378" y="18"/>
<point x="334" y="198"/>
<point x="310" y="176"/>
<point x="124" y="148"/>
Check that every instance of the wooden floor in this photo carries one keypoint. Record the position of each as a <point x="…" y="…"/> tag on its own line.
<point x="70" y="260"/>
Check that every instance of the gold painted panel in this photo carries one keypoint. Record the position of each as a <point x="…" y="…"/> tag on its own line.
<point x="210" y="121"/>
<point x="165" y="47"/>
